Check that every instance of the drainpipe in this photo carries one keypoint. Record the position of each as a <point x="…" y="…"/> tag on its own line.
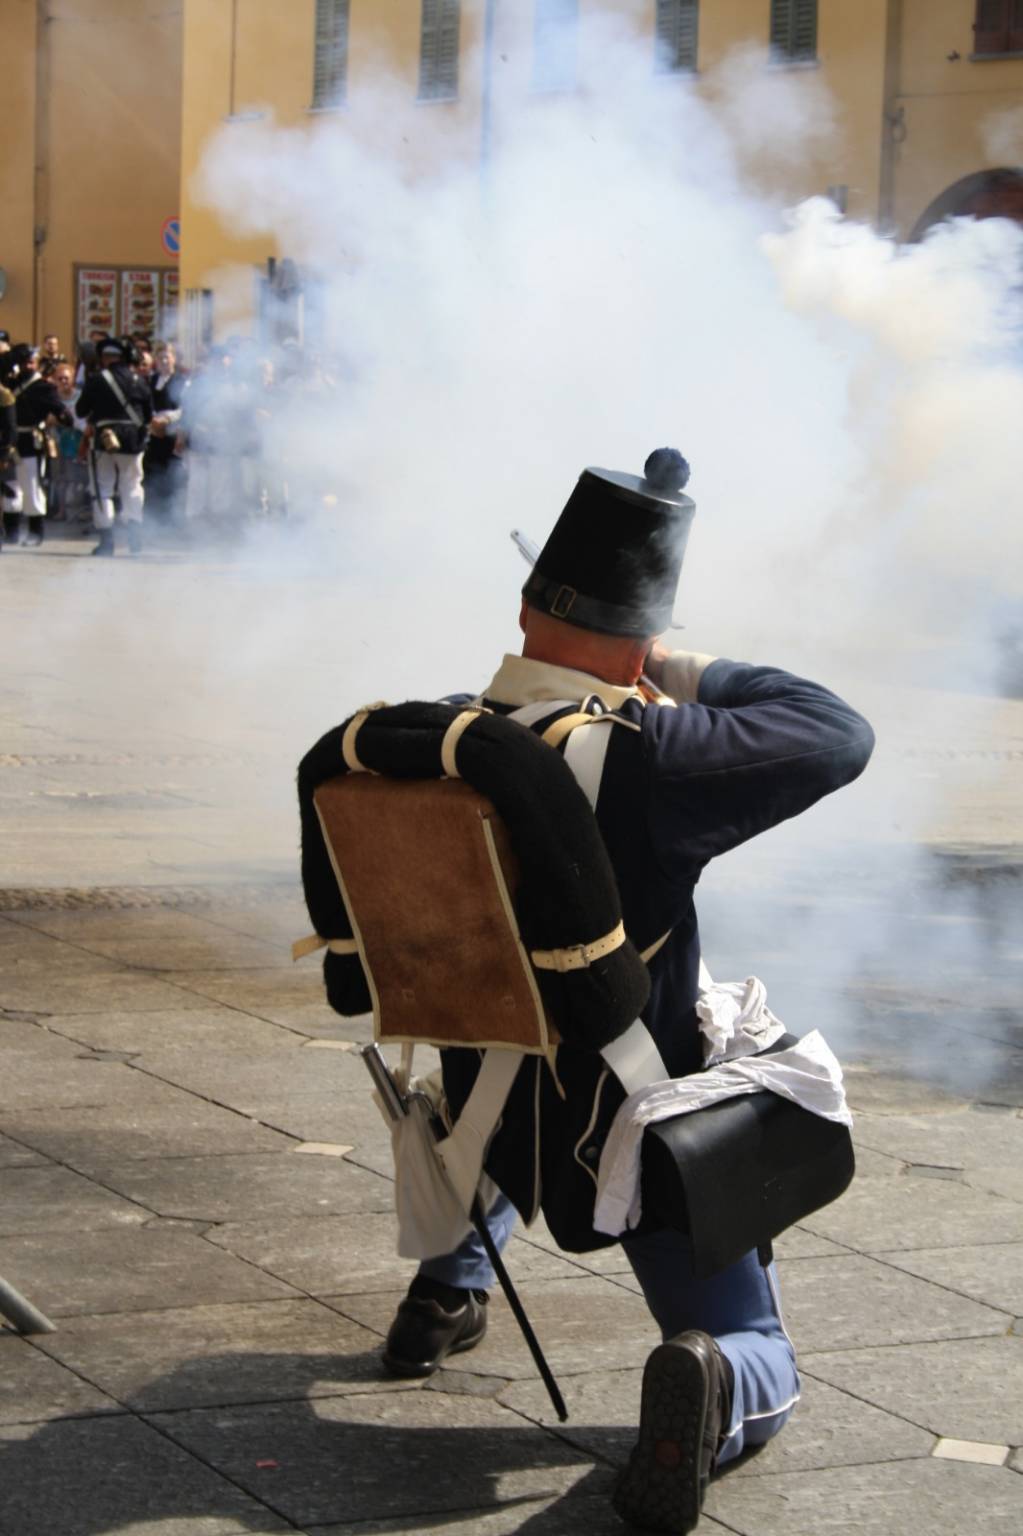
<point x="487" y="94"/>
<point x="41" y="176"/>
<point x="893" y="125"/>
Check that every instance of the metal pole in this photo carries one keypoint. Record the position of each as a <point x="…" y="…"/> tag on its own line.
<point x="22" y="1313"/>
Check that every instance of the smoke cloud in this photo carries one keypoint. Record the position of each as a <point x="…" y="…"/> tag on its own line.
<point x="607" y="283"/>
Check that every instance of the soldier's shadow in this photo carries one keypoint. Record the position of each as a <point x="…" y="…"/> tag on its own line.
<point x="213" y="1442"/>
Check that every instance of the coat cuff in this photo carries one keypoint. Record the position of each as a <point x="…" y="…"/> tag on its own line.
<point x="681" y="673"/>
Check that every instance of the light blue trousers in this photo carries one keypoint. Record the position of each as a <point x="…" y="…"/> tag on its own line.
<point x="738" y="1307"/>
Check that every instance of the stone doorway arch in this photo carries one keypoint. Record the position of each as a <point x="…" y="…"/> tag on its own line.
<point x="995" y="194"/>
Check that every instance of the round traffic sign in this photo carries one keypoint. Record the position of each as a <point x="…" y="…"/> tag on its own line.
<point x="170" y="235"/>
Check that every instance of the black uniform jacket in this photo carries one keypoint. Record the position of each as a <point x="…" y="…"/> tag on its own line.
<point x="753" y="747"/>
<point x="35" y="400"/>
<point x="8" y="426"/>
<point x="99" y="404"/>
<point x="165" y="397"/>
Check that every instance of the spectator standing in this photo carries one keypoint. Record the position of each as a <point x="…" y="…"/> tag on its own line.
<point x="117" y="406"/>
<point x="69" y="482"/>
<point x="8" y="438"/>
<point x="164" y="467"/>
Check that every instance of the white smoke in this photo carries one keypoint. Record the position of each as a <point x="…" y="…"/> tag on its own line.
<point x="607" y="283"/>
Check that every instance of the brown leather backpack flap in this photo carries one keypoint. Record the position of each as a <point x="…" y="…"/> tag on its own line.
<point x="428" y="877"/>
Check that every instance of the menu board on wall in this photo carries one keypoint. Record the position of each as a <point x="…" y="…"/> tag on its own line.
<point x="140" y="301"/>
<point x="171" y="293"/>
<point x="97" y="302"/>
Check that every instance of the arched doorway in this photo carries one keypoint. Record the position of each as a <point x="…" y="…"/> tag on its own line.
<point x="996" y="194"/>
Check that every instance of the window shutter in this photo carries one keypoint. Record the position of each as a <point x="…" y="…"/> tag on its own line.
<point x="438" y="53"/>
<point x="555" y="26"/>
<point x="1016" y="26"/>
<point x="793" y="30"/>
<point x="677" y="33"/>
<point x="330" y="69"/>
<point x="991" y="26"/>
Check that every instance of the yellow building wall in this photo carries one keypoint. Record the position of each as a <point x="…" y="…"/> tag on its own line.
<point x="17" y="165"/>
<point x="955" y="113"/>
<point x="94" y="159"/>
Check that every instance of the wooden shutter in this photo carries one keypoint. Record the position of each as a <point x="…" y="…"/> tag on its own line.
<point x="677" y="33"/>
<point x="330" y="69"/>
<point x="794" y="30"/>
<point x="1016" y="26"/>
<point x="438" y="54"/>
<point x="555" y="27"/>
<point x="991" y="26"/>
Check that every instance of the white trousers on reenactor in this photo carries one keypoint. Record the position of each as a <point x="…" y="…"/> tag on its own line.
<point x="23" y="488"/>
<point x="117" y="474"/>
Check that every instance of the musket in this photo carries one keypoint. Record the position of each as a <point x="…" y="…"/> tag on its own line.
<point x="397" y="1106"/>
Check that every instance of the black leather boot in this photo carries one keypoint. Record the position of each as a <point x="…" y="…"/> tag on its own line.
<point x="36" y="532"/>
<point x="106" y="542"/>
<point x="686" y="1406"/>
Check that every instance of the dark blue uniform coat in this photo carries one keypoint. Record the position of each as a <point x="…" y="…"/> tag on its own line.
<point x="756" y="747"/>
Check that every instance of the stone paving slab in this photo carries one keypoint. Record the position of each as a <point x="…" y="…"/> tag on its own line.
<point x="293" y="998"/>
<point x="350" y="1117"/>
<point x="988" y="1272"/>
<point x="828" y="1428"/>
<point x="942" y="1498"/>
<point x="165" y="1123"/>
<point x="191" y="1029"/>
<point x="215" y="1356"/>
<point x="14" y="1155"/>
<point x="216" y="950"/>
<point x="574" y="1515"/>
<point x="33" y="1387"/>
<point x="112" y="990"/>
<point x="84" y="1477"/>
<point x="239" y="1184"/>
<point x="583" y="1324"/>
<point x="974" y="1137"/>
<point x="916" y="1213"/>
<point x="337" y="1458"/>
<point x="129" y="1270"/>
<point x="83" y="927"/>
<point x="244" y="1080"/>
<point x="71" y="1079"/>
<point x="870" y="1303"/>
<point x="24" y="1034"/>
<point x="1007" y="1183"/>
<point x="871" y="1091"/>
<point x="964" y="1389"/>
<point x="50" y="1199"/>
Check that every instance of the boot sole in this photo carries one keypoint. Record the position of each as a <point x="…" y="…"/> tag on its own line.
<point x="660" y="1488"/>
<point x="398" y="1367"/>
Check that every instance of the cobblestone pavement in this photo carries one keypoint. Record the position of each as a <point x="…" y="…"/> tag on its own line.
<point x="194" y="1184"/>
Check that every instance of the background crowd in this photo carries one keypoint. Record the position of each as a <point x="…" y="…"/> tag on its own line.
<point x="120" y="432"/>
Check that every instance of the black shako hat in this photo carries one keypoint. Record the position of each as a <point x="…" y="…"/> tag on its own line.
<point x="613" y="559"/>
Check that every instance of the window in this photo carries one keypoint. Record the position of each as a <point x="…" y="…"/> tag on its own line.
<point x="330" y="69"/>
<point x="794" y="31"/>
<point x="438" y="51"/>
<point x="677" y="26"/>
<point x="555" y="28"/>
<point x="998" y="27"/>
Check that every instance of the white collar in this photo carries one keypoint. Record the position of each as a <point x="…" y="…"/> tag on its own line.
<point x="521" y="680"/>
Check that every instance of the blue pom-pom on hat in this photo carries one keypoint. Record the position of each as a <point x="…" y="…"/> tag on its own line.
<point x="666" y="470"/>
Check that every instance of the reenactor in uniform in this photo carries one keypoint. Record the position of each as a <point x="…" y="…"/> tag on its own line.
<point x="706" y="753"/>
<point x="37" y="405"/>
<point x="8" y="438"/>
<point x="118" y="406"/>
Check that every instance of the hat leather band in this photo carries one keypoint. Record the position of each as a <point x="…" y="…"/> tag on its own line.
<point x="564" y="602"/>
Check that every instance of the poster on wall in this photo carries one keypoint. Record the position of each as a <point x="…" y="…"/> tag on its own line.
<point x="169" y="311"/>
<point x="140" y="302"/>
<point x="97" y="302"/>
